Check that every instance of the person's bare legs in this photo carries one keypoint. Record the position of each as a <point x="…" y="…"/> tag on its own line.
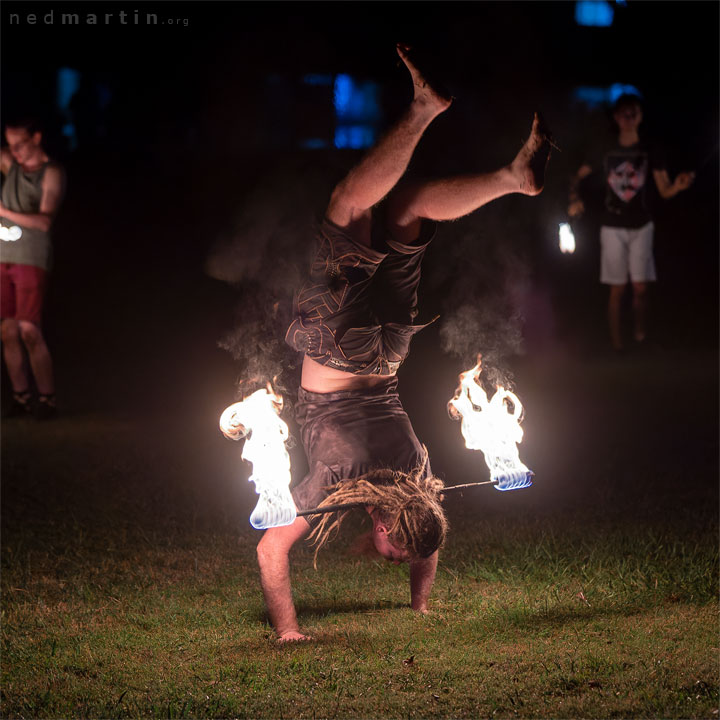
<point x="640" y="310"/>
<point x="614" y="306"/>
<point x="40" y="360"/>
<point x="454" y="197"/>
<point x="13" y="354"/>
<point x="379" y="171"/>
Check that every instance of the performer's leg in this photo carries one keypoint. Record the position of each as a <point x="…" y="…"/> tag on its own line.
<point x="451" y="198"/>
<point x="334" y="306"/>
<point x="384" y="165"/>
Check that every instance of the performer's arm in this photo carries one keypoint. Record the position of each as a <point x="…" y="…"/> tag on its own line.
<point x="52" y="191"/>
<point x="576" y="207"/>
<point x="669" y="189"/>
<point x="422" y="577"/>
<point x="273" y="558"/>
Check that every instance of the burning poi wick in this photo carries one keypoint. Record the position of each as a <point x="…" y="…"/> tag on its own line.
<point x="11" y="233"/>
<point x="492" y="426"/>
<point x="257" y="419"/>
<point x="566" y="238"/>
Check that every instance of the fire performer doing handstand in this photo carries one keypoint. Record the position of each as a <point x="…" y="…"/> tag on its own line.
<point x="354" y="323"/>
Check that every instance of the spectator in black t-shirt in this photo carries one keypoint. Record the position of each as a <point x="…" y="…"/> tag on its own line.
<point x="626" y="233"/>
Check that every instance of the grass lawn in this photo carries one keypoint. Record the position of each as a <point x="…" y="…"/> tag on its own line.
<point x="539" y="621"/>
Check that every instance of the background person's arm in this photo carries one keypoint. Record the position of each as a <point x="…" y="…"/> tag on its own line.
<point x="52" y="192"/>
<point x="669" y="189"/>
<point x="422" y="577"/>
<point x="6" y="160"/>
<point x="576" y="207"/>
<point x="273" y="558"/>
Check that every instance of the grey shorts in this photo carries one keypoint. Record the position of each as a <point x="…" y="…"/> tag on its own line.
<point x="627" y="253"/>
<point x="348" y="433"/>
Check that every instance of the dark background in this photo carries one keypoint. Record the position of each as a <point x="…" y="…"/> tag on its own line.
<point x="198" y="149"/>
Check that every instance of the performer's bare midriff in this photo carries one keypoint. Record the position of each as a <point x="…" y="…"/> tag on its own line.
<point x="356" y="451"/>
<point x="323" y="379"/>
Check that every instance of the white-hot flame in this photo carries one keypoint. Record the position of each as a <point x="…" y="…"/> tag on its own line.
<point x="567" y="238"/>
<point x="492" y="426"/>
<point x="257" y="419"/>
<point x="10" y="233"/>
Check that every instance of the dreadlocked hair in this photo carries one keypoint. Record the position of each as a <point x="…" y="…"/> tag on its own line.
<point x="408" y="503"/>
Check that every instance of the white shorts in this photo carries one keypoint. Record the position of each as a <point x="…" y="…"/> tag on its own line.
<point x="627" y="252"/>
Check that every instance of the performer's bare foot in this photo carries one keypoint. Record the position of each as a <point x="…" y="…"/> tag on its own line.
<point x="426" y="98"/>
<point x="293" y="636"/>
<point x="529" y="165"/>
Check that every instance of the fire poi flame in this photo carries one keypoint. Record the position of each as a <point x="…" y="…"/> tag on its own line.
<point x="492" y="426"/>
<point x="566" y="238"/>
<point x="257" y="419"/>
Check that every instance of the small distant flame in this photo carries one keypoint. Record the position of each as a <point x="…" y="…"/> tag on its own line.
<point x="567" y="238"/>
<point x="257" y="419"/>
<point x="10" y="233"/>
<point x="492" y="426"/>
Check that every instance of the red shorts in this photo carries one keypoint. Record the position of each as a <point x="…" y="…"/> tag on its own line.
<point x="22" y="289"/>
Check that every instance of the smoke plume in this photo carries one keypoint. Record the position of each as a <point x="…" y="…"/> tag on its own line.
<point x="263" y="256"/>
<point x="481" y="270"/>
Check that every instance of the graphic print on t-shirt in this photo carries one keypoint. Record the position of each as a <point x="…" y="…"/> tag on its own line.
<point x="625" y="175"/>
